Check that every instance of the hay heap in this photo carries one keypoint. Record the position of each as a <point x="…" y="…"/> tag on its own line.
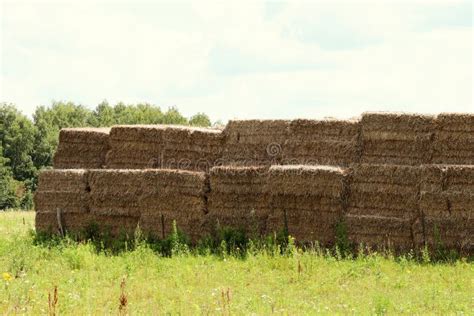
<point x="173" y="195"/>
<point x="447" y="205"/>
<point x="254" y="142"/>
<point x="323" y="142"/>
<point x="394" y="138"/>
<point x="163" y="146"/>
<point x="238" y="199"/>
<point x="454" y="139"/>
<point x="64" y="191"/>
<point x="81" y="148"/>
<point x="308" y="200"/>
<point x="383" y="206"/>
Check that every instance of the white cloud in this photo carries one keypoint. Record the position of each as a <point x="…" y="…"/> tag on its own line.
<point x="237" y="60"/>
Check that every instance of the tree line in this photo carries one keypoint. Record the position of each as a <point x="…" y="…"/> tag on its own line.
<point x="28" y="144"/>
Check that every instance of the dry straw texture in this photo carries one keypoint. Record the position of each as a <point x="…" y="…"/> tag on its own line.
<point x="254" y="142"/>
<point x="63" y="190"/>
<point x="163" y="146"/>
<point x="322" y="142"/>
<point x="447" y="205"/>
<point x="385" y="197"/>
<point x="308" y="200"/>
<point x="396" y="138"/>
<point x="81" y="148"/>
<point x="238" y="199"/>
<point x="454" y="139"/>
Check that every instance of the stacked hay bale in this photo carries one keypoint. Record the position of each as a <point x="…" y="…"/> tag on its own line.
<point x="114" y="199"/>
<point x="238" y="199"/>
<point x="447" y="205"/>
<point x="173" y="195"/>
<point x="61" y="201"/>
<point x="135" y="146"/>
<point x="81" y="148"/>
<point x="254" y="142"/>
<point x="383" y="206"/>
<point x="454" y="139"/>
<point x="191" y="148"/>
<point x="308" y="200"/>
<point x="323" y="142"/>
<point x="163" y="146"/>
<point x="394" y="138"/>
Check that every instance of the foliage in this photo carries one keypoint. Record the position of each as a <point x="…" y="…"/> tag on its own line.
<point x="91" y="281"/>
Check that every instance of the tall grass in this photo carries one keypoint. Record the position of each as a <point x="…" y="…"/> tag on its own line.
<point x="223" y="275"/>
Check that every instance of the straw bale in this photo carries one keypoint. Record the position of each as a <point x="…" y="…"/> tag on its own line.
<point x="73" y="180"/>
<point x="84" y="135"/>
<point x="256" y="131"/>
<point x="306" y="180"/>
<point x="330" y="129"/>
<point x="382" y="232"/>
<point x="305" y="226"/>
<point x="451" y="233"/>
<point x="81" y="148"/>
<point x="389" y="174"/>
<point x="385" y="121"/>
<point x="67" y="202"/>
<point x="396" y="138"/>
<point x="455" y="122"/>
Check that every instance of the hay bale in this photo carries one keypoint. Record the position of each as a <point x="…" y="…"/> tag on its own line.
<point x="454" y="139"/>
<point x="387" y="197"/>
<point x="322" y="142"/>
<point x="382" y="232"/>
<point x="389" y="190"/>
<point x="308" y="200"/>
<point x="64" y="190"/>
<point x="396" y="138"/>
<point x="164" y="146"/>
<point x="238" y="199"/>
<point x="447" y="205"/>
<point x="152" y="196"/>
<point x="254" y="142"/>
<point x="81" y="148"/>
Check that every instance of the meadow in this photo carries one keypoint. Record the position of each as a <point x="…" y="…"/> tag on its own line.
<point x="68" y="277"/>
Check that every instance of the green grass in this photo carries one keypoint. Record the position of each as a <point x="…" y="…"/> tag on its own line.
<point x="89" y="281"/>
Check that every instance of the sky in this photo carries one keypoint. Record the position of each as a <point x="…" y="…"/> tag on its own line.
<point x="240" y="59"/>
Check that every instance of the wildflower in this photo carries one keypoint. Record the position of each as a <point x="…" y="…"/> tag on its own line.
<point x="7" y="276"/>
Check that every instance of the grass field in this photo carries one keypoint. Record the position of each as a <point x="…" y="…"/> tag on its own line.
<point x="141" y="282"/>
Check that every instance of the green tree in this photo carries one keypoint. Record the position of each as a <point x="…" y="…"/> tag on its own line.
<point x="172" y="116"/>
<point x="17" y="135"/>
<point x="200" y="119"/>
<point x="8" y="197"/>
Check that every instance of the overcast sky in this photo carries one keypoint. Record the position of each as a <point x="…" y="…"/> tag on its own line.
<point x="250" y="59"/>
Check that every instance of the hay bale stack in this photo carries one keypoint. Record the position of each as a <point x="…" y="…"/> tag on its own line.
<point x="308" y="200"/>
<point x="454" y="139"/>
<point x="447" y="204"/>
<point x="64" y="191"/>
<point x="163" y="146"/>
<point x="81" y="148"/>
<point x="382" y="207"/>
<point x="254" y="142"/>
<point x="238" y="199"/>
<point x="135" y="146"/>
<point x="173" y="195"/>
<point x="395" y="138"/>
<point x="323" y="142"/>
